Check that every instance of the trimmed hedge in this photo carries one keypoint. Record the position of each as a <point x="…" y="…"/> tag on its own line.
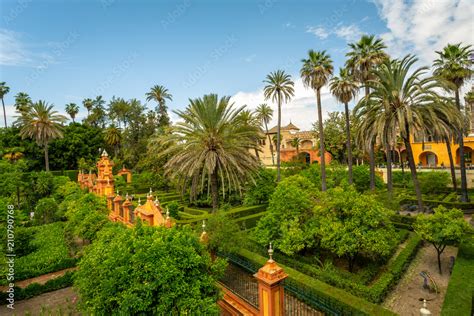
<point x="350" y="304"/>
<point x="435" y="203"/>
<point x="235" y="213"/>
<point x="460" y="294"/>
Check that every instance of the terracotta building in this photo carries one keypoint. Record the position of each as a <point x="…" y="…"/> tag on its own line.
<point x="306" y="150"/>
<point x="103" y="183"/>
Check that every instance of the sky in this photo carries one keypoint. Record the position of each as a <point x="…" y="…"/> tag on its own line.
<point x="66" y="51"/>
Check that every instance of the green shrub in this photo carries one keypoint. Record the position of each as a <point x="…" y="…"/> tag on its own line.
<point x="46" y="211"/>
<point x="173" y="207"/>
<point x="260" y="191"/>
<point x="433" y="181"/>
<point x="460" y="292"/>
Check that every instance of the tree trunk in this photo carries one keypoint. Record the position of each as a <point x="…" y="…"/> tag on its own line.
<point x="351" y="260"/>
<point x="46" y="157"/>
<point x="270" y="143"/>
<point x="439" y="261"/>
<point x="464" y="196"/>
<point x="411" y="163"/>
<point x="321" y="142"/>
<point x="348" y="142"/>
<point x="372" y="164"/>
<point x="4" y="113"/>
<point x="278" y="139"/>
<point x="401" y="161"/>
<point x="388" y="154"/>
<point x="451" y="164"/>
<point x="257" y="154"/>
<point x="214" y="191"/>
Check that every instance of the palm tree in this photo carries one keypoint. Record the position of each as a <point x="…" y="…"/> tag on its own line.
<point x="316" y="71"/>
<point x="43" y="124"/>
<point x="88" y="104"/>
<point x="265" y="114"/>
<point x="402" y="101"/>
<point x="113" y="137"/>
<point x="366" y="55"/>
<point x="4" y="89"/>
<point x="345" y="88"/>
<point x="279" y="88"/>
<point x="295" y="143"/>
<point x="454" y="66"/>
<point x="22" y="102"/>
<point x="160" y="94"/>
<point x="210" y="143"/>
<point x="246" y="117"/>
<point x="72" y="109"/>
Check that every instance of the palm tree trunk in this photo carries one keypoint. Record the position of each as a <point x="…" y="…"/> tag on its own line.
<point x="348" y="142"/>
<point x="214" y="191"/>
<point x="278" y="139"/>
<point x="4" y="113"/>
<point x="46" y="157"/>
<point x="321" y="142"/>
<point x="464" y="196"/>
<point x="256" y="153"/>
<point x="451" y="163"/>
<point x="371" y="151"/>
<point x="270" y="143"/>
<point x="411" y="163"/>
<point x="388" y="154"/>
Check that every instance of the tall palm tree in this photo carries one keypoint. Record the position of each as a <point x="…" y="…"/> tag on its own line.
<point x="454" y="66"/>
<point x="22" y="102"/>
<point x="316" y="71"/>
<point x="402" y="101"/>
<point x="113" y="137"/>
<point x="345" y="88"/>
<point x="88" y="104"/>
<point x="279" y="88"/>
<point x="210" y="145"/>
<point x="246" y="117"/>
<point x="364" y="56"/>
<point x="4" y="89"/>
<point x="43" y="124"/>
<point x="160" y="94"/>
<point x="72" y="109"/>
<point x="265" y="114"/>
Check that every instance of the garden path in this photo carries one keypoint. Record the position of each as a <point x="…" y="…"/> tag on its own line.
<point x="42" y="279"/>
<point x="404" y="299"/>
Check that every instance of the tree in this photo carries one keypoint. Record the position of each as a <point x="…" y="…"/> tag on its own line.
<point x="264" y="114"/>
<point x="212" y="144"/>
<point x="113" y="137"/>
<point x="248" y="118"/>
<point x="402" y="101"/>
<point x="365" y="56"/>
<point x="444" y="227"/>
<point x="454" y="66"/>
<point x="353" y="224"/>
<point x="316" y="71"/>
<point x="155" y="271"/>
<point x="72" y="109"/>
<point x="344" y="88"/>
<point x="4" y="89"/>
<point x="260" y="191"/>
<point x="118" y="111"/>
<point x="160" y="94"/>
<point x="279" y="88"/>
<point x="224" y="234"/>
<point x="88" y="104"/>
<point x="22" y="102"/>
<point x="295" y="143"/>
<point x="288" y="221"/>
<point x="46" y="211"/>
<point x="43" y="124"/>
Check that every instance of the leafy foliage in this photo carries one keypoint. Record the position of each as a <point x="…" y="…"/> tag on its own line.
<point x="46" y="211"/>
<point x="224" y="234"/>
<point x="155" y="271"/>
<point x="260" y="191"/>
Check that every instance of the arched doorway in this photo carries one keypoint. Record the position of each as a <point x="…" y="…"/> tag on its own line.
<point x="304" y="157"/>
<point x="428" y="159"/>
<point x="467" y="156"/>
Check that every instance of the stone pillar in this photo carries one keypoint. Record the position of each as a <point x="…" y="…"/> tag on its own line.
<point x="110" y="203"/>
<point x="270" y="288"/>
<point x="126" y="210"/>
<point x="117" y="205"/>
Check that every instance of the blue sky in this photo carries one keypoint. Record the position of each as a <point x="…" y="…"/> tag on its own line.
<point x="64" y="52"/>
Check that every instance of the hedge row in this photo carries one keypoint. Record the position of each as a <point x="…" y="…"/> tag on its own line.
<point x="434" y="203"/>
<point x="460" y="293"/>
<point x="235" y="213"/>
<point x="249" y="221"/>
<point x="348" y="303"/>
<point x="35" y="289"/>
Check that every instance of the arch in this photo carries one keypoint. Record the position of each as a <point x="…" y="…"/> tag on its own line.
<point x="467" y="156"/>
<point x="428" y="159"/>
<point x="305" y="157"/>
<point x="306" y="144"/>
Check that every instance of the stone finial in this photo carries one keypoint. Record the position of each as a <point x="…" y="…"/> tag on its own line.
<point x="117" y="192"/>
<point x="270" y="252"/>
<point x="139" y="201"/>
<point x="204" y="238"/>
<point x="105" y="154"/>
<point x="167" y="213"/>
<point x="157" y="203"/>
<point x="203" y="225"/>
<point x="424" y="310"/>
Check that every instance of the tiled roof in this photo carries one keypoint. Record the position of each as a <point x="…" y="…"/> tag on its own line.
<point x="288" y="127"/>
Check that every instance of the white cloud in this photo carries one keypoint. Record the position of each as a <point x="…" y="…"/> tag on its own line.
<point x="349" y="33"/>
<point x="301" y="110"/>
<point x="12" y="51"/>
<point x="319" y="31"/>
<point x="250" y="58"/>
<point x="423" y="26"/>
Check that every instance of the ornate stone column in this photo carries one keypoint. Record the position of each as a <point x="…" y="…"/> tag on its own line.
<point x="270" y="288"/>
